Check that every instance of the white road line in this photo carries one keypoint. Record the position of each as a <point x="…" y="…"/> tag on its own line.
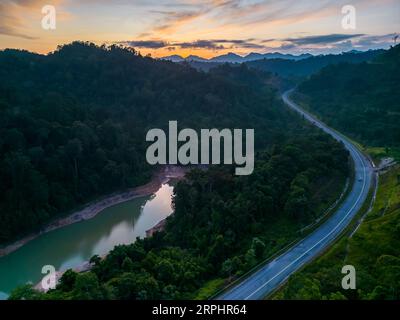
<point x="332" y="231"/>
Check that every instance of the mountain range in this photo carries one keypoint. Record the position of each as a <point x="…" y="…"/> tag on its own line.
<point x="235" y="58"/>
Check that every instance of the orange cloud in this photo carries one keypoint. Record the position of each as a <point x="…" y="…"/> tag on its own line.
<point x="15" y="16"/>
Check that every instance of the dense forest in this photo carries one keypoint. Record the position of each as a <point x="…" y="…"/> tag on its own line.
<point x="306" y="67"/>
<point x="73" y="128"/>
<point x="222" y="226"/>
<point x="73" y="123"/>
<point x="361" y="100"/>
<point x="373" y="250"/>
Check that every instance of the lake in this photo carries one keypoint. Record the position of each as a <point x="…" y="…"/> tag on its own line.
<point x="71" y="246"/>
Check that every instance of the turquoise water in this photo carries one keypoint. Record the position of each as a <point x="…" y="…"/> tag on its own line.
<point x="72" y="245"/>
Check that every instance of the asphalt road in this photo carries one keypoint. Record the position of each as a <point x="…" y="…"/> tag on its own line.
<point x="270" y="276"/>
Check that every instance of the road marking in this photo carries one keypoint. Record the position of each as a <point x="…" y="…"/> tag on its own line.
<point x="352" y="149"/>
<point x="302" y="255"/>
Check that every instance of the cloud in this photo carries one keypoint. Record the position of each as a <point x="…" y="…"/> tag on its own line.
<point x="11" y="13"/>
<point x="246" y="43"/>
<point x="323" y="39"/>
<point x="149" y="44"/>
<point x="172" y="20"/>
<point x="26" y="3"/>
<point x="218" y="17"/>
<point x="334" y="43"/>
<point x="322" y="43"/>
<point x="374" y="41"/>
<point x="10" y="22"/>
<point x="204" y="24"/>
<point x="200" y="44"/>
<point x="360" y="42"/>
<point x="217" y="44"/>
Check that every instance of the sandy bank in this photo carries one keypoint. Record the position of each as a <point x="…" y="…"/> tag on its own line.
<point x="94" y="208"/>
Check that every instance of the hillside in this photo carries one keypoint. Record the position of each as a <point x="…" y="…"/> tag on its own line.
<point x="361" y="100"/>
<point x="223" y="225"/>
<point x="73" y="128"/>
<point x="373" y="250"/>
<point x="73" y="123"/>
<point x="306" y="67"/>
<point x="235" y="58"/>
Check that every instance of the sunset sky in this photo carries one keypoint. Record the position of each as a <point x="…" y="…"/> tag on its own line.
<point x="206" y="28"/>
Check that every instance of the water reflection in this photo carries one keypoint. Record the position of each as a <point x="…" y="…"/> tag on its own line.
<point x="71" y="246"/>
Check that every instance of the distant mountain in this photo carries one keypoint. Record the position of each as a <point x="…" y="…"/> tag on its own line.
<point x="196" y="58"/>
<point x="174" y="58"/>
<point x="308" y="66"/>
<point x="254" y="56"/>
<point x="229" y="57"/>
<point x="286" y="65"/>
<point x="353" y="51"/>
<point x="235" y="58"/>
<point x="277" y="55"/>
<point x="361" y="100"/>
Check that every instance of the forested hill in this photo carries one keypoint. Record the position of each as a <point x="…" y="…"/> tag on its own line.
<point x="306" y="67"/>
<point x="73" y="127"/>
<point x="222" y="227"/>
<point x="362" y="100"/>
<point x="73" y="123"/>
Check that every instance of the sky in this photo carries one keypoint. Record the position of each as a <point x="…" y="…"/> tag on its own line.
<point x="205" y="28"/>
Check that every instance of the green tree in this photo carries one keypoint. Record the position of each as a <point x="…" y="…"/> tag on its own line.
<point x="67" y="280"/>
<point x="25" y="292"/>
<point x="127" y="265"/>
<point x="87" y="287"/>
<point x="258" y="246"/>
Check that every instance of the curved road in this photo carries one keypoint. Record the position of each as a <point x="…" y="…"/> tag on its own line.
<point x="269" y="277"/>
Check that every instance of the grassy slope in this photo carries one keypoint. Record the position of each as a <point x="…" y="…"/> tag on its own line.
<point x="381" y="152"/>
<point x="373" y="250"/>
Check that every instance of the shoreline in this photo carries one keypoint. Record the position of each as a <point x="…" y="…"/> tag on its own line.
<point x="91" y="210"/>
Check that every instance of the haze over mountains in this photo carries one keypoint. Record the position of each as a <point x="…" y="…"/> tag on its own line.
<point x="306" y="67"/>
<point x="235" y="58"/>
<point x="284" y="65"/>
